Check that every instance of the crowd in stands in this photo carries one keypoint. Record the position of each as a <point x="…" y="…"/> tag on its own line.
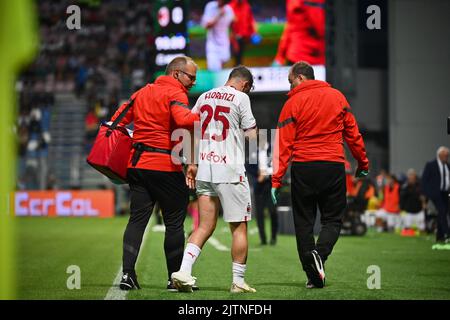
<point x="103" y="62"/>
<point x="33" y="137"/>
<point x="110" y="54"/>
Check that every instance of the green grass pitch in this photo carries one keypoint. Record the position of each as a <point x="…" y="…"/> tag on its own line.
<point x="46" y="247"/>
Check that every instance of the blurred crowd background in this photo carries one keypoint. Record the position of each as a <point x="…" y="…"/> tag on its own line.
<point x="78" y="79"/>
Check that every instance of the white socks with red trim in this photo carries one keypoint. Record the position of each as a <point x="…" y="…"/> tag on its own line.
<point x="238" y="273"/>
<point x="191" y="254"/>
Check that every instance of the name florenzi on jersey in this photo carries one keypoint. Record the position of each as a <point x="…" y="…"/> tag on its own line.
<point x="219" y="95"/>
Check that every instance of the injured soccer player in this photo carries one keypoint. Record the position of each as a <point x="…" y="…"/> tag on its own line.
<point x="226" y="121"/>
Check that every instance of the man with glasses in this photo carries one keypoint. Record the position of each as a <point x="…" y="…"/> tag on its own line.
<point x="226" y="119"/>
<point x="191" y="77"/>
<point x="158" y="109"/>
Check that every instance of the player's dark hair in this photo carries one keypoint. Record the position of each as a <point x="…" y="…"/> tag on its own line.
<point x="178" y="63"/>
<point x="303" y="68"/>
<point x="243" y="73"/>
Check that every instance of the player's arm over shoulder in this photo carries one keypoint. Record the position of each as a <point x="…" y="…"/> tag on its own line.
<point x="180" y="111"/>
<point x="248" y="122"/>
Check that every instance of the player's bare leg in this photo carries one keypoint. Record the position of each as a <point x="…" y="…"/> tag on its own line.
<point x="208" y="208"/>
<point x="239" y="251"/>
<point x="239" y="245"/>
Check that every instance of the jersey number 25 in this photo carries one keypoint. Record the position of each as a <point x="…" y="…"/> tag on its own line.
<point x="218" y="116"/>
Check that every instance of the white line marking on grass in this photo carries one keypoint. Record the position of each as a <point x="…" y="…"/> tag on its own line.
<point x="114" y="293"/>
<point x="253" y="231"/>
<point x="159" y="228"/>
<point x="216" y="244"/>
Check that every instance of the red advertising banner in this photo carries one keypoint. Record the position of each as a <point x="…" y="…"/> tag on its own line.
<point x="64" y="203"/>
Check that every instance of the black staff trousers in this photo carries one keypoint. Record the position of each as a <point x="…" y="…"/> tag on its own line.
<point x="317" y="185"/>
<point x="146" y="188"/>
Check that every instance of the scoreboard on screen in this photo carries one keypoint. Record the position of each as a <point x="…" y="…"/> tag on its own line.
<point x="170" y="30"/>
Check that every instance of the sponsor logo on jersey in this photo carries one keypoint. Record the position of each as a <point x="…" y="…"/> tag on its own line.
<point x="213" y="157"/>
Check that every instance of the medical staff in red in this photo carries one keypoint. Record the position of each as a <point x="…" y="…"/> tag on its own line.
<point x="303" y="38"/>
<point x="312" y="128"/>
<point x="153" y="175"/>
<point x="242" y="28"/>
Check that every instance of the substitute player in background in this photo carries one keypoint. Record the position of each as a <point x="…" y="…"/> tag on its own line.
<point x="226" y="119"/>
<point x="217" y="19"/>
<point x="312" y="127"/>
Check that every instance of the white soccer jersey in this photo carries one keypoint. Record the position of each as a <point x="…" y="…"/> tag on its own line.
<point x="217" y="37"/>
<point x="225" y="113"/>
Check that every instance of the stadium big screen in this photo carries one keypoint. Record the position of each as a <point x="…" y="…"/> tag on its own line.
<point x="170" y="31"/>
<point x="266" y="36"/>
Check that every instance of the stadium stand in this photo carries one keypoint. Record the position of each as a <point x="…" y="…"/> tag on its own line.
<point x="72" y="74"/>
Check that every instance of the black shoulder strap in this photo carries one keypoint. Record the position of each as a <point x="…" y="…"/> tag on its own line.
<point x="120" y="117"/>
<point x="122" y="114"/>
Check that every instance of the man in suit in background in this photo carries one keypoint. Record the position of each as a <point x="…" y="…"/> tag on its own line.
<point x="436" y="186"/>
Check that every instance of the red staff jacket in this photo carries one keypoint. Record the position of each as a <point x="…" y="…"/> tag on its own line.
<point x="312" y="126"/>
<point x="244" y="23"/>
<point x="159" y="108"/>
<point x="391" y="199"/>
<point x="303" y="38"/>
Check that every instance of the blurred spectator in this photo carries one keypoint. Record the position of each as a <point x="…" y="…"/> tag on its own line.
<point x="81" y="77"/>
<point x="23" y="137"/>
<point x="390" y="209"/>
<point x="217" y="19"/>
<point x="242" y="28"/>
<point x="381" y="182"/>
<point x="101" y="110"/>
<point x="112" y="105"/>
<point x="363" y="191"/>
<point x="261" y="188"/>
<point x="33" y="137"/>
<point x="91" y="124"/>
<point x="436" y="184"/>
<point x="303" y="38"/>
<point x="52" y="183"/>
<point x="349" y="178"/>
<point x="412" y="203"/>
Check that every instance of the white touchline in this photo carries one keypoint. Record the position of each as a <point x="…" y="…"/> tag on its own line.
<point x="114" y="293"/>
<point x="219" y="246"/>
<point x="216" y="244"/>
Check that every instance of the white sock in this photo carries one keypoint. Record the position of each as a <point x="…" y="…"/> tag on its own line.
<point x="238" y="273"/>
<point x="191" y="254"/>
